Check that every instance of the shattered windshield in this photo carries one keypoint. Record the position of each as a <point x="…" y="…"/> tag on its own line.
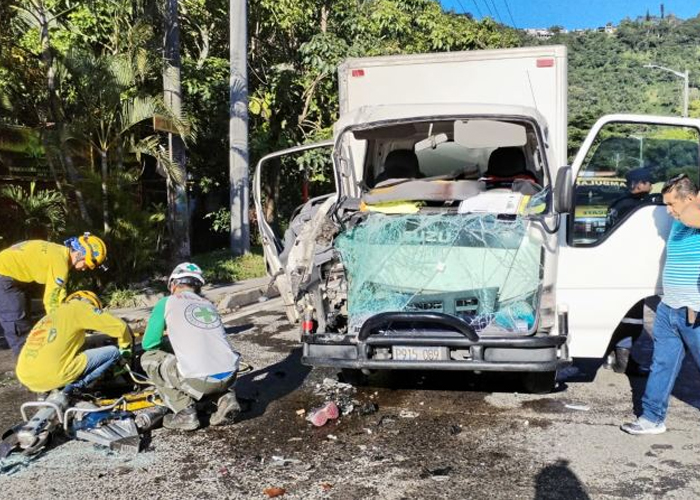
<point x="483" y="268"/>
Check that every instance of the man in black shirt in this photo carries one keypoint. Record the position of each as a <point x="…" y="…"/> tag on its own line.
<point x="639" y="187"/>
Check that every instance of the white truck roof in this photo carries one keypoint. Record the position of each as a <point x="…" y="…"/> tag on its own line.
<point x="535" y="77"/>
<point x="369" y="115"/>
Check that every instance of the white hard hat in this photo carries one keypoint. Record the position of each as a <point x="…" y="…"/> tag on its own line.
<point x="187" y="273"/>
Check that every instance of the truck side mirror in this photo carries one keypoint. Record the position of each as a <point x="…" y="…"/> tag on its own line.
<point x="563" y="191"/>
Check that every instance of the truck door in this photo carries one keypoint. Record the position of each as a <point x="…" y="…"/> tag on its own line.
<point x="304" y="174"/>
<point x="612" y="252"/>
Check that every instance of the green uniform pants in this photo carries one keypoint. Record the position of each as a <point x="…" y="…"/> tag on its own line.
<point x="177" y="391"/>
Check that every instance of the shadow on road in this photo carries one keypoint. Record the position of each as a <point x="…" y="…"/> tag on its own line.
<point x="557" y="481"/>
<point x="262" y="387"/>
<point x="438" y="380"/>
<point x="234" y="329"/>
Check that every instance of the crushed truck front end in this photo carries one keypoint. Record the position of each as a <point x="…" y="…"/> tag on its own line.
<point x="437" y="252"/>
<point x="442" y="290"/>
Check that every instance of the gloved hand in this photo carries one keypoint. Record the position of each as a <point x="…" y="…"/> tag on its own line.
<point x="125" y="352"/>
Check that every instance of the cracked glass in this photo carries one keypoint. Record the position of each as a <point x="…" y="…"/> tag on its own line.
<point x="483" y="268"/>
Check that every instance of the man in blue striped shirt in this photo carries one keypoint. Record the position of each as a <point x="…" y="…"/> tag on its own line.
<point x="677" y="326"/>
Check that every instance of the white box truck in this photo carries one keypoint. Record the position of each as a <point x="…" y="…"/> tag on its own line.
<point x="457" y="238"/>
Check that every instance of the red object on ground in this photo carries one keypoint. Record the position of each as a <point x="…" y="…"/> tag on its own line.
<point x="321" y="415"/>
<point x="274" y="492"/>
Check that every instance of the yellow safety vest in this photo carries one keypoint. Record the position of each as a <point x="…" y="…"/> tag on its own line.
<point x="52" y="357"/>
<point x="40" y="262"/>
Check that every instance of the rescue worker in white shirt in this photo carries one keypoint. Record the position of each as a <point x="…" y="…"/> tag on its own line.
<point x="203" y="362"/>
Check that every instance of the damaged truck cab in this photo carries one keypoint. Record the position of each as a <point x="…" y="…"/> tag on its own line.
<point x="451" y="240"/>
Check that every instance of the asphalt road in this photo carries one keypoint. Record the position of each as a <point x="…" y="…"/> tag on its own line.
<point x="406" y="436"/>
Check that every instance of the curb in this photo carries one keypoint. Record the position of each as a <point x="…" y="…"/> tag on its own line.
<point x="227" y="298"/>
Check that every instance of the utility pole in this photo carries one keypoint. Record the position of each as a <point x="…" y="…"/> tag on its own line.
<point x="685" y="77"/>
<point x="178" y="212"/>
<point x="686" y="92"/>
<point x="238" y="127"/>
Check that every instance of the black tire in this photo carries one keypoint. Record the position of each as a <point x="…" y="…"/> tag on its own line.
<point x="353" y="377"/>
<point x="539" y="382"/>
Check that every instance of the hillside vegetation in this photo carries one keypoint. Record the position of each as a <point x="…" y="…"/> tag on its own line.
<point x="607" y="73"/>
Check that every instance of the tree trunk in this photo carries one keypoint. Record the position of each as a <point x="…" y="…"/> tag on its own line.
<point x="54" y="117"/>
<point x="54" y="112"/>
<point x="105" y="198"/>
<point x="73" y="178"/>
<point x="178" y="212"/>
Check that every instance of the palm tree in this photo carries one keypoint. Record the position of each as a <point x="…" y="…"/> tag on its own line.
<point x="115" y="113"/>
<point x="40" y="213"/>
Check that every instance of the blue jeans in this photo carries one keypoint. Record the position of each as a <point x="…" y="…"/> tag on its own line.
<point x="98" y="361"/>
<point x="14" y="314"/>
<point x="672" y="336"/>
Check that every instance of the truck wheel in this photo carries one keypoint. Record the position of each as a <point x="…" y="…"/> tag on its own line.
<point x="539" y="382"/>
<point x="353" y="377"/>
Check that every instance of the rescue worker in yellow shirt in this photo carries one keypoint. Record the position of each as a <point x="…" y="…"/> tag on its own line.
<point x="53" y="356"/>
<point x="45" y="263"/>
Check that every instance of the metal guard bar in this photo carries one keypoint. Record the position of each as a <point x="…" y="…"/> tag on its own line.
<point x="385" y="319"/>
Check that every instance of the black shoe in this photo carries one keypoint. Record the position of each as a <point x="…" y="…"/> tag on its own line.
<point x="184" y="420"/>
<point x="227" y="411"/>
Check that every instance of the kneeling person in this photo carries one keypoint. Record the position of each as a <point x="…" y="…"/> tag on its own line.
<point x="53" y="355"/>
<point x="203" y="362"/>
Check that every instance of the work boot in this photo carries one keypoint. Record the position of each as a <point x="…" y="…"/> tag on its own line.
<point x="184" y="420"/>
<point x="227" y="410"/>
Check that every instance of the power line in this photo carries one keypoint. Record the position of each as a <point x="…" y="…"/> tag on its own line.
<point x="510" y="14"/>
<point x="488" y="7"/>
<point x="497" y="13"/>
<point x="477" y="8"/>
<point x="464" y="10"/>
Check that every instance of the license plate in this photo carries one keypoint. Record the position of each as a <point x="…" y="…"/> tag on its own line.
<point x="419" y="353"/>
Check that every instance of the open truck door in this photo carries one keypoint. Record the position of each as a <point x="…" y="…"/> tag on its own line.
<point x="612" y="253"/>
<point x="276" y="249"/>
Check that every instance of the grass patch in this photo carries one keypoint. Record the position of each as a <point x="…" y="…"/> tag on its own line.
<point x="220" y="266"/>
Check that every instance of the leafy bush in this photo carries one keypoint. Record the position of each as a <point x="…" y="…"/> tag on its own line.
<point x="220" y="220"/>
<point x="33" y="213"/>
<point x="120" y="297"/>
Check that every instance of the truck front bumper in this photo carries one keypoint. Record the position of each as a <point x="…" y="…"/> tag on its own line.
<point x="463" y="349"/>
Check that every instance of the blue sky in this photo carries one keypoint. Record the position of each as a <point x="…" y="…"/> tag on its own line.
<point x="569" y="13"/>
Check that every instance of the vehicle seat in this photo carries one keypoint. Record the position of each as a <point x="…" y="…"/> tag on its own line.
<point x="508" y="163"/>
<point x="506" y="166"/>
<point x="400" y="164"/>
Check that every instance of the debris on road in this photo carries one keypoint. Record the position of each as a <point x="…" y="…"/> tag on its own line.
<point x="320" y="416"/>
<point x="369" y="408"/>
<point x="326" y="486"/>
<point x="339" y="392"/>
<point x="408" y="414"/>
<point x="301" y="412"/>
<point x="295" y="464"/>
<point x="274" y="491"/>
<point x="437" y="474"/>
<point x="455" y="429"/>
<point x="577" y="407"/>
<point x="387" y="420"/>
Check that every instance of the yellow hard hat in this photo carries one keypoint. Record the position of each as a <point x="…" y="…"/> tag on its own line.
<point x="86" y="296"/>
<point x="93" y="248"/>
